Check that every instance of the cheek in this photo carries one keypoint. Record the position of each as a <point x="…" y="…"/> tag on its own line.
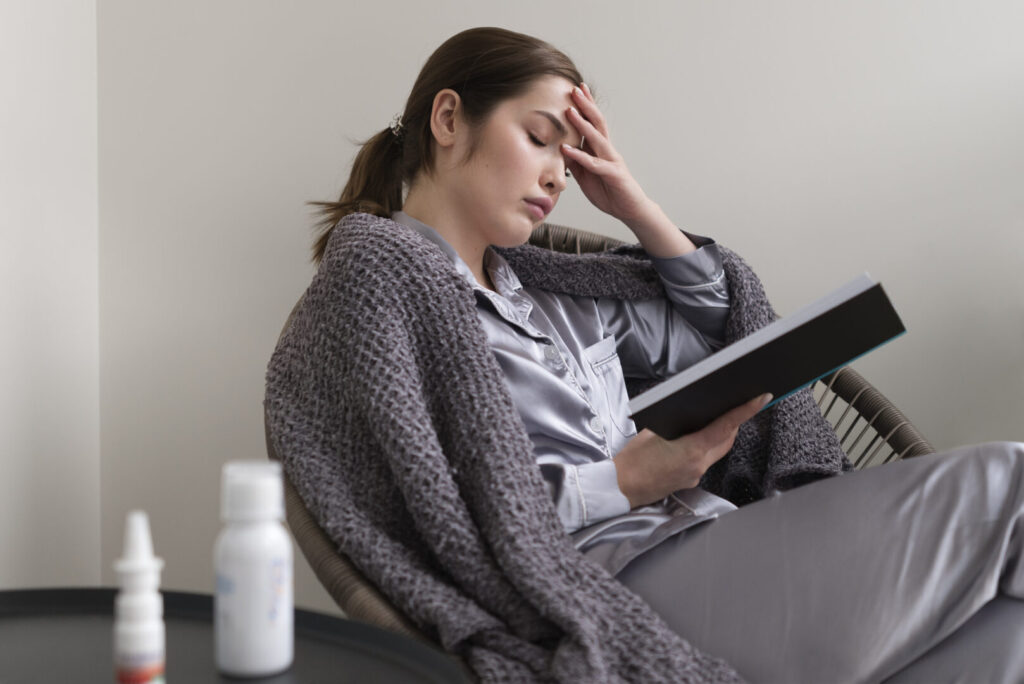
<point x="511" y="165"/>
<point x="523" y="160"/>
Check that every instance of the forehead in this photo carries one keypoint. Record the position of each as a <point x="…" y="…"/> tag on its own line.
<point x="553" y="91"/>
<point x="550" y="94"/>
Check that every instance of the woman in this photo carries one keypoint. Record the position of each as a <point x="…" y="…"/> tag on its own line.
<point x="441" y="387"/>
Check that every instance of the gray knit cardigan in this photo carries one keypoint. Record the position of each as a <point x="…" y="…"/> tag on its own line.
<point x="394" y="422"/>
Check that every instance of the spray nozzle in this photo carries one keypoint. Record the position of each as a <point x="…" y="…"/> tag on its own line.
<point x="138" y="567"/>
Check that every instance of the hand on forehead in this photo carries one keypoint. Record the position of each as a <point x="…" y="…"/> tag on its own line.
<point x="551" y="99"/>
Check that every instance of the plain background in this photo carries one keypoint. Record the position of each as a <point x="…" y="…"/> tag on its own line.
<point x="156" y="158"/>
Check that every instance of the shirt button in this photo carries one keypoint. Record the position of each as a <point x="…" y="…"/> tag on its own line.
<point x="550" y="352"/>
<point x="595" y="424"/>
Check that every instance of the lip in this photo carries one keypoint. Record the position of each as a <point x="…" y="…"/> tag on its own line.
<point x="544" y="204"/>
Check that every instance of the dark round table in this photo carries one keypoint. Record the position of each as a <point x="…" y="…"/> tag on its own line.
<point x="66" y="635"/>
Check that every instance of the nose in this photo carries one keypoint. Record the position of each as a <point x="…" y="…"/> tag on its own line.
<point x="556" y="175"/>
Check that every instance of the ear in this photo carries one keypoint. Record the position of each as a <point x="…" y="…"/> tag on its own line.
<point x="446" y="116"/>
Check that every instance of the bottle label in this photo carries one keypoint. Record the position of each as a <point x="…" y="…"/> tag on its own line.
<point x="253" y="616"/>
<point x="153" y="674"/>
<point x="280" y="598"/>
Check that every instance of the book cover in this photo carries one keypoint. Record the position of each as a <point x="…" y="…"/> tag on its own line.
<point x="782" y="358"/>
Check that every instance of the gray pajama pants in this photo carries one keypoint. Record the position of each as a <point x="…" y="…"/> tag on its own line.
<point x="908" y="572"/>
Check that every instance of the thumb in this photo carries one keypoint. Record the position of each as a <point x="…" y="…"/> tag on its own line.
<point x="724" y="427"/>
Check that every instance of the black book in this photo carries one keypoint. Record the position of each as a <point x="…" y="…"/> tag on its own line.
<point x="782" y="358"/>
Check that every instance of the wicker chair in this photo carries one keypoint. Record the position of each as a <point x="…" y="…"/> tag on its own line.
<point x="871" y="430"/>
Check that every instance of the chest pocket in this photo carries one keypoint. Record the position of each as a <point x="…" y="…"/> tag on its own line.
<point x="607" y="370"/>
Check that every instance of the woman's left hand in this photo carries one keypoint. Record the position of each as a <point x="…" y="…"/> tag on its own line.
<point x="598" y="167"/>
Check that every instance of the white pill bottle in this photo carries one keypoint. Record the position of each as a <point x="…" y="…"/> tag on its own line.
<point x="253" y="612"/>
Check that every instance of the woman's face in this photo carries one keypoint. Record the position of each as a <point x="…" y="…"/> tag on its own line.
<point x="517" y="159"/>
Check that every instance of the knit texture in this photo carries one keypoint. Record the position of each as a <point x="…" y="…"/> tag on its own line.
<point x="393" y="421"/>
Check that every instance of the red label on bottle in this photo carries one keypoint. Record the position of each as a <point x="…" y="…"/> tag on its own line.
<point x="141" y="675"/>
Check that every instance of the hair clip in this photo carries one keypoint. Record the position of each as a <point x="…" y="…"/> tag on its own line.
<point x="396" y="125"/>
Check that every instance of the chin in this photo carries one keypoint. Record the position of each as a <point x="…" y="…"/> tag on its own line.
<point x="518" y="235"/>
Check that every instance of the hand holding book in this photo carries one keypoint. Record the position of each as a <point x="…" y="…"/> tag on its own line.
<point x="649" y="467"/>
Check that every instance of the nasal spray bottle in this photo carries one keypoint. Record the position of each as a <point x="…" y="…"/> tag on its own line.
<point x="139" y="640"/>
<point x="253" y="607"/>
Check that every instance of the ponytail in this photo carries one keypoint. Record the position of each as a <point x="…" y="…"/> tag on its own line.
<point x="374" y="187"/>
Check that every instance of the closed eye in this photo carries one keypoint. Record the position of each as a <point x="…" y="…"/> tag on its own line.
<point x="537" y="141"/>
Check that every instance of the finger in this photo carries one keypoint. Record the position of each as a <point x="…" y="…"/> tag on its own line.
<point x="586" y="161"/>
<point x="575" y="170"/>
<point x="582" y="124"/>
<point x="596" y="140"/>
<point x="725" y="426"/>
<point x="745" y="412"/>
<point x="590" y="110"/>
<point x="591" y="124"/>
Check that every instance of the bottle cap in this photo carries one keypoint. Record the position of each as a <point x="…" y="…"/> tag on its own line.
<point x="138" y="567"/>
<point x="252" y="490"/>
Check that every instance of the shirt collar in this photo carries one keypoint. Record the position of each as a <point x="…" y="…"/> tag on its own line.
<point x="502" y="275"/>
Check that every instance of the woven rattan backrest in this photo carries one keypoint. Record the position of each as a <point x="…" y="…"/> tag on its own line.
<point x="870" y="428"/>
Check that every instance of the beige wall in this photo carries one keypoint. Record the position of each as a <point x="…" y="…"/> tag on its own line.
<point x="49" y="344"/>
<point x="817" y="139"/>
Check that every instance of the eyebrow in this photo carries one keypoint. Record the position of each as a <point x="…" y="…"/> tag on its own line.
<point x="554" y="120"/>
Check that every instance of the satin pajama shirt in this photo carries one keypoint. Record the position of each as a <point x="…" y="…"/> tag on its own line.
<point x="566" y="359"/>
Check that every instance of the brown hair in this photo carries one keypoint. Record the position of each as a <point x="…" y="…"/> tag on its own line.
<point x="485" y="66"/>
